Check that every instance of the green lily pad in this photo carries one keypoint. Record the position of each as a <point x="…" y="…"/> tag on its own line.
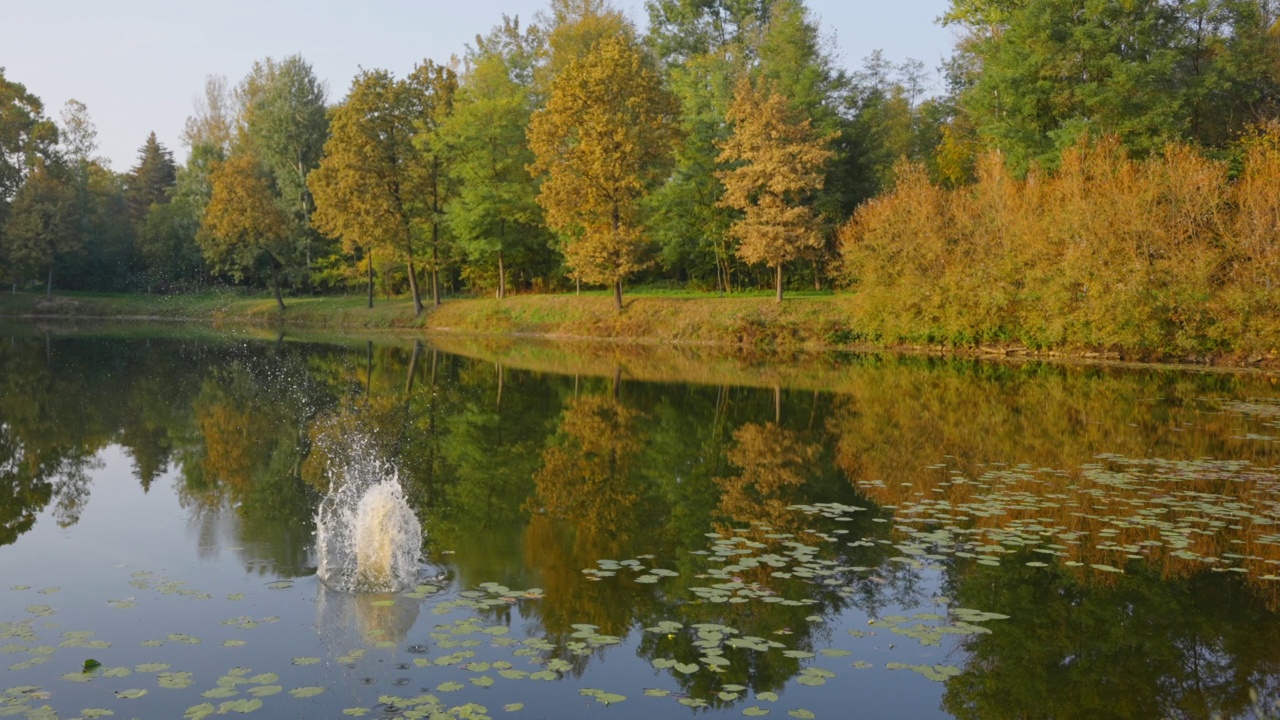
<point x="449" y="686"/>
<point x="306" y="692"/>
<point x="656" y="692"/>
<point x="243" y="705"/>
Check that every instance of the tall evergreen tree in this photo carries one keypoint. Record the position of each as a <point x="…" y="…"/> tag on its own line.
<point x="150" y="180"/>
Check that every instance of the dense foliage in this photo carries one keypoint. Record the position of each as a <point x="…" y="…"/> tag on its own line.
<point x="708" y="153"/>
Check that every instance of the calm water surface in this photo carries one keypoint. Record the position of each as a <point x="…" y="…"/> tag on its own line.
<point x="872" y="538"/>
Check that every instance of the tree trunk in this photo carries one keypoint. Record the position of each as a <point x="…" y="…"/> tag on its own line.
<point x="502" y="278"/>
<point x="413" y="367"/>
<point x="435" y="264"/>
<point x="617" y="295"/>
<point x="778" y="281"/>
<point x="48" y="286"/>
<point x="413" y="287"/>
<point x="275" y="286"/>
<point x="369" y="259"/>
<point x="577" y="286"/>
<point x="497" y="404"/>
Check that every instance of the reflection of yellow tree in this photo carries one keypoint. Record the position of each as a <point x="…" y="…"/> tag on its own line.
<point x="236" y="436"/>
<point x="586" y="477"/>
<point x="775" y="463"/>
<point x="585" y="507"/>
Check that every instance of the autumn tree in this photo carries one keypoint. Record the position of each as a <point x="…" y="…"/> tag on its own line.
<point x="244" y="231"/>
<point x="367" y="188"/>
<point x="603" y="141"/>
<point x="779" y="166"/>
<point x="494" y="213"/>
<point x="213" y="120"/>
<point x="572" y="27"/>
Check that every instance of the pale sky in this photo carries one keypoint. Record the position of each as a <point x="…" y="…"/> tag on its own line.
<point x="138" y="64"/>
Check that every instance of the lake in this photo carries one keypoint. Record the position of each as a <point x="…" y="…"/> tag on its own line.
<point x="613" y="532"/>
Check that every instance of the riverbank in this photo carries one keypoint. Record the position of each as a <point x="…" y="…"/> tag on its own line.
<point x="756" y="322"/>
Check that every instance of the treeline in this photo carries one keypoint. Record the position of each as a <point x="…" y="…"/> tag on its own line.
<point x="713" y="152"/>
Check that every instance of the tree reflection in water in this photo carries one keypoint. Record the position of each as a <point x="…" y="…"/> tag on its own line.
<point x="527" y="479"/>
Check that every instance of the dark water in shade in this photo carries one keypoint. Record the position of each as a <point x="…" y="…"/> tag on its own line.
<point x="855" y="537"/>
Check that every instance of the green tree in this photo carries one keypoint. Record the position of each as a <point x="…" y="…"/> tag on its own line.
<point x="150" y="180"/>
<point x="284" y="117"/>
<point x="779" y="169"/>
<point x="25" y="136"/>
<point x="603" y="141"/>
<point x="431" y="90"/>
<point x="705" y="45"/>
<point x="244" y="232"/>
<point x="1043" y="72"/>
<point x="494" y="214"/>
<point x="42" y="230"/>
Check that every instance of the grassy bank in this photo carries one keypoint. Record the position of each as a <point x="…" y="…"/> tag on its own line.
<point x="755" y="322"/>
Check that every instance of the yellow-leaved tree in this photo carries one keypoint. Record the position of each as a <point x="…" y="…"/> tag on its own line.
<point x="244" y="232"/>
<point x="779" y="163"/>
<point x="603" y="140"/>
<point x="373" y="187"/>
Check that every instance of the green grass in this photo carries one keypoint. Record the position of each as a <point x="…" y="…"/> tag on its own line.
<point x="752" y="320"/>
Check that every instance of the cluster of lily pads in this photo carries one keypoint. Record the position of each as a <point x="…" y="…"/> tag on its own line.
<point x="1002" y="513"/>
<point x="1103" y="516"/>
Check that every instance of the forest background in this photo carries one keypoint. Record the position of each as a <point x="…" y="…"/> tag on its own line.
<point x="1095" y="172"/>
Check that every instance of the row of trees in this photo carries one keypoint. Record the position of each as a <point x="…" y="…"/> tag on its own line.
<point x="715" y="150"/>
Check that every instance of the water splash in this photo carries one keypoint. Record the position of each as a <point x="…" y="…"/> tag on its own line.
<point x="367" y="537"/>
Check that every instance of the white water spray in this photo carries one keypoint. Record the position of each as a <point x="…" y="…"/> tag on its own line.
<point x="367" y="537"/>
